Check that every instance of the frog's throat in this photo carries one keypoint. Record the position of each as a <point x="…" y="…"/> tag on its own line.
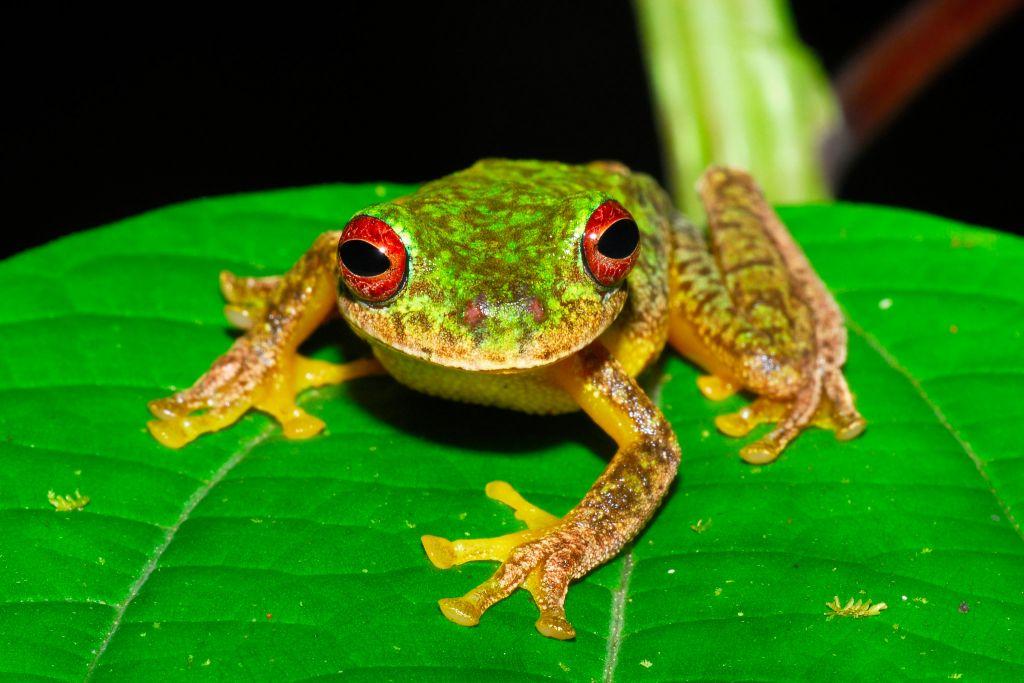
<point x="470" y="354"/>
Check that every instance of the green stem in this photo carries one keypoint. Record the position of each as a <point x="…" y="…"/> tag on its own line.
<point x="733" y="84"/>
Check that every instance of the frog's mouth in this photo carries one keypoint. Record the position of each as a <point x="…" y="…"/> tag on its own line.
<point x="502" y="339"/>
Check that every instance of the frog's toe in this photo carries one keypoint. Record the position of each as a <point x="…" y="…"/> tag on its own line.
<point x="747" y="418"/>
<point x="295" y="422"/>
<point x="176" y="432"/>
<point x="444" y="554"/>
<point x="849" y="427"/>
<point x="538" y="559"/>
<point x="555" y="626"/>
<point x="790" y="416"/>
<point x="302" y="425"/>
<point x="715" y="388"/>
<point x="762" y="451"/>
<point x="313" y="372"/>
<point x="525" y="511"/>
<point x="460" y="611"/>
<point x="243" y="317"/>
<point x="842" y="417"/>
<point x="813" y="407"/>
<point x="178" y="405"/>
<point x="164" y="408"/>
<point x="247" y="290"/>
<point x="247" y="297"/>
<point x="440" y="551"/>
<point x="544" y="565"/>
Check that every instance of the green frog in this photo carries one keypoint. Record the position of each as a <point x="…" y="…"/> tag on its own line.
<point x="547" y="288"/>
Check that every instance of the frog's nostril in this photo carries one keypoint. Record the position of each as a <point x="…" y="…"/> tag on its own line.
<point x="536" y="309"/>
<point x="476" y="311"/>
<point x="480" y="308"/>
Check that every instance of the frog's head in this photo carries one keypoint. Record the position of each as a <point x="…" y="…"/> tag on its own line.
<point x="503" y="267"/>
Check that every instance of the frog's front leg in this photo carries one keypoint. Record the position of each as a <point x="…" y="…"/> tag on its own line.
<point x="552" y="551"/>
<point x="263" y="369"/>
<point x="752" y="312"/>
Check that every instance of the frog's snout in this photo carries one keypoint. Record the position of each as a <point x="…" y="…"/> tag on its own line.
<point x="479" y="308"/>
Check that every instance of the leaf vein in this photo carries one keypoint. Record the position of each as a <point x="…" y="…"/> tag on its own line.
<point x="197" y="497"/>
<point x="941" y="417"/>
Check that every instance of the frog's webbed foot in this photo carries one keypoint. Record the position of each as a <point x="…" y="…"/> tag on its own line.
<point x="249" y="376"/>
<point x="262" y="370"/>
<point x="543" y="559"/>
<point x="823" y="401"/>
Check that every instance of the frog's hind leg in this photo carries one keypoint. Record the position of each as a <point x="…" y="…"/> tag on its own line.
<point x="752" y="311"/>
<point x="262" y="369"/>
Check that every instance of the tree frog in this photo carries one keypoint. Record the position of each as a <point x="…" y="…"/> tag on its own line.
<point x="547" y="288"/>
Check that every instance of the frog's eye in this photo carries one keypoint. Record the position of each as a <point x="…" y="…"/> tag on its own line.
<point x="611" y="242"/>
<point x="372" y="259"/>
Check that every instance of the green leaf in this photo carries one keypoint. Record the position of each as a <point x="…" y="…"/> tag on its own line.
<point x="246" y="555"/>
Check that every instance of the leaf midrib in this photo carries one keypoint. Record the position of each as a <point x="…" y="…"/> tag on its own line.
<point x="193" y="501"/>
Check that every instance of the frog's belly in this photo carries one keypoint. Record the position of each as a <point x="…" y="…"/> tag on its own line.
<point x="527" y="391"/>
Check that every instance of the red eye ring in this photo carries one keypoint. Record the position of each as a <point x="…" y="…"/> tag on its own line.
<point x="611" y="243"/>
<point x="372" y="259"/>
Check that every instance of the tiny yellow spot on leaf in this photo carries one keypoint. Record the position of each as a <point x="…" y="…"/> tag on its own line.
<point x="925" y="551"/>
<point x="956" y="677"/>
<point x="853" y="608"/>
<point x="718" y="591"/>
<point x="646" y="663"/>
<point x="700" y="526"/>
<point x="67" y="503"/>
<point x="563" y="667"/>
<point x="922" y="601"/>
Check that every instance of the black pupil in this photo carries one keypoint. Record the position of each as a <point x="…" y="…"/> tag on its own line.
<point x="363" y="259"/>
<point x="619" y="239"/>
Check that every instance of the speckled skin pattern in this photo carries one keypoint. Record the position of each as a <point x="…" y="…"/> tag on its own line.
<point x="498" y="307"/>
<point x="496" y="281"/>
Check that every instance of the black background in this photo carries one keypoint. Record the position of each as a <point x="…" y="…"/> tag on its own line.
<point x="104" y="122"/>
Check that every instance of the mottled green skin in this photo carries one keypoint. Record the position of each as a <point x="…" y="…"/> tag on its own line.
<point x="496" y="277"/>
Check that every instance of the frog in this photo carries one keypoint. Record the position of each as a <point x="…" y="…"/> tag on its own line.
<point x="546" y="288"/>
